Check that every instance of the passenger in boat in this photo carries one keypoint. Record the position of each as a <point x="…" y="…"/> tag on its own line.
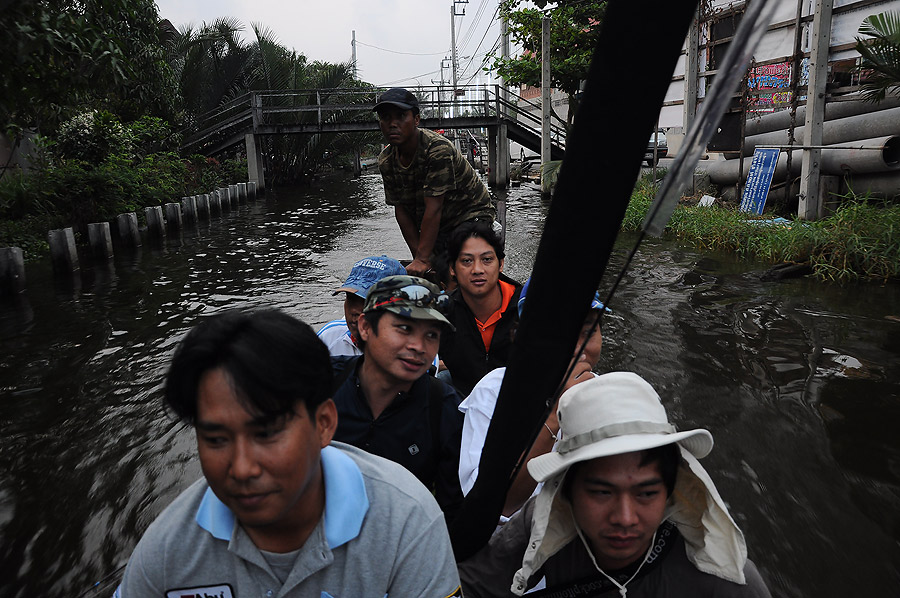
<point x="387" y="402"/>
<point x="431" y="185"/>
<point x="479" y="406"/>
<point x="482" y="306"/>
<point x="342" y="336"/>
<point x="282" y="510"/>
<point x="625" y="509"/>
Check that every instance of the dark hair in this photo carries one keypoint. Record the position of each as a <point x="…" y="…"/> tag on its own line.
<point x="668" y="456"/>
<point x="481" y="229"/>
<point x="373" y="316"/>
<point x="274" y="361"/>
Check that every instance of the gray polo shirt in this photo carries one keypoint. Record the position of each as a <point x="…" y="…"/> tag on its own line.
<point x="382" y="534"/>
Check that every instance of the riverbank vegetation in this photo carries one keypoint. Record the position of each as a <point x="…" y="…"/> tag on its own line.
<point x="94" y="110"/>
<point x="859" y="241"/>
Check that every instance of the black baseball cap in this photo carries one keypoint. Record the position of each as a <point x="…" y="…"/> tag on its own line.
<point x="399" y="97"/>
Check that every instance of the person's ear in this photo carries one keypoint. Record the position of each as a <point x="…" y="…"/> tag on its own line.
<point x="417" y="117"/>
<point x="326" y="422"/>
<point x="365" y="328"/>
<point x="501" y="263"/>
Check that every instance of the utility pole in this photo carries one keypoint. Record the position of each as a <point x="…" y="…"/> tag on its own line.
<point x="353" y="55"/>
<point x="810" y="207"/>
<point x="545" y="90"/>
<point x="691" y="73"/>
<point x="453" y="16"/>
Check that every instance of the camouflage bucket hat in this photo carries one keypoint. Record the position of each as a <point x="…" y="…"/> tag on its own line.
<point x="410" y="297"/>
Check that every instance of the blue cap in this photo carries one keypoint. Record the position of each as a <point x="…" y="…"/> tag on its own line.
<point x="595" y="302"/>
<point x="367" y="272"/>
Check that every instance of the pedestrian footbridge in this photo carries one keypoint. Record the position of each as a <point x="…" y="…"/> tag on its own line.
<point x="473" y="109"/>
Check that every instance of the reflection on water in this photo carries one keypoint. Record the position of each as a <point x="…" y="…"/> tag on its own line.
<point x="798" y="382"/>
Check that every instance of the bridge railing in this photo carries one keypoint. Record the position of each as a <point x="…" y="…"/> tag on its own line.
<point x="327" y="109"/>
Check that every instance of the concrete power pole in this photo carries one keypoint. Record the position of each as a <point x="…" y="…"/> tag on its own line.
<point x="810" y="207"/>
<point x="691" y="73"/>
<point x="353" y="58"/>
<point x="545" y="90"/>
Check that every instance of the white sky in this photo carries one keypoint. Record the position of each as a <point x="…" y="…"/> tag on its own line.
<point x="413" y="35"/>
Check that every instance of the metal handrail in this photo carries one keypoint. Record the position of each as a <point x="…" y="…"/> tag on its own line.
<point x="274" y="107"/>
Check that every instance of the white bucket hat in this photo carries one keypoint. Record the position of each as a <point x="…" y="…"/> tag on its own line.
<point x="620" y="413"/>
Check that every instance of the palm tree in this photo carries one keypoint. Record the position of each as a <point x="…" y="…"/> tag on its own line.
<point x="880" y="63"/>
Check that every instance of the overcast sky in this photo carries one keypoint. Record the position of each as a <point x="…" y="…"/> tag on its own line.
<point x="399" y="42"/>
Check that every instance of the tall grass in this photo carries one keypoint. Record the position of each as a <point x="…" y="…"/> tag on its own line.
<point x="859" y="241"/>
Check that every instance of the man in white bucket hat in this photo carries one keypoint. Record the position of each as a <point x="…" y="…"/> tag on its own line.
<point x="626" y="509"/>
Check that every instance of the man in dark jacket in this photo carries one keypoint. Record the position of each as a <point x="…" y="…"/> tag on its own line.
<point x="482" y="307"/>
<point x="387" y="403"/>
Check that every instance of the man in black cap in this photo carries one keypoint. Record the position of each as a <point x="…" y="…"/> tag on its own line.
<point x="431" y="185"/>
<point x="386" y="401"/>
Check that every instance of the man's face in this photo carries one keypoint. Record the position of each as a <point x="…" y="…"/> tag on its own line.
<point x="477" y="268"/>
<point x="619" y="505"/>
<point x="397" y="125"/>
<point x="403" y="349"/>
<point x="268" y="472"/>
<point x="353" y="306"/>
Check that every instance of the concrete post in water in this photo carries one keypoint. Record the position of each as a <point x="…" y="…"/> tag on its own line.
<point x="254" y="155"/>
<point x="12" y="271"/>
<point x="100" y="239"/>
<point x="215" y="206"/>
<point x="128" y="229"/>
<point x="203" y="206"/>
<point x="242" y="192"/>
<point x="224" y="199"/>
<point x="156" y="225"/>
<point x="251" y="190"/>
<point x="173" y="216"/>
<point x="189" y="209"/>
<point x="235" y="197"/>
<point x="62" y="250"/>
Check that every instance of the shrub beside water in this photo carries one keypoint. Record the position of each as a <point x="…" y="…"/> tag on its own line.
<point x="96" y="169"/>
<point x="859" y="241"/>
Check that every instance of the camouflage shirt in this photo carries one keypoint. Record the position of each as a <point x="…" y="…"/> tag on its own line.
<point x="436" y="169"/>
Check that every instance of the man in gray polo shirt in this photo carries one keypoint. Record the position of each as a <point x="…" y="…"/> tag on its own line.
<point x="281" y="510"/>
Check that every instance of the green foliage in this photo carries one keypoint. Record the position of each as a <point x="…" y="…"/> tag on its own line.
<point x="860" y="241"/>
<point x="92" y="136"/>
<point x="880" y="55"/>
<point x="66" y="54"/>
<point x="574" y="28"/>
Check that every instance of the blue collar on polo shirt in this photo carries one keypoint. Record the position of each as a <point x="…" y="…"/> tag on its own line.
<point x="346" y="502"/>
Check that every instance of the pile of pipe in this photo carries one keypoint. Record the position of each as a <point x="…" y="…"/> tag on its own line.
<point x="866" y="152"/>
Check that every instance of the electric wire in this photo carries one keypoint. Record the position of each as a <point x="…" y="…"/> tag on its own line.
<point x="359" y="43"/>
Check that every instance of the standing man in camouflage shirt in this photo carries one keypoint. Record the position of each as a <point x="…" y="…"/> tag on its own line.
<point x="431" y="185"/>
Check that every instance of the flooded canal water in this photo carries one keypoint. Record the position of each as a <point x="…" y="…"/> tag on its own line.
<point x="799" y="383"/>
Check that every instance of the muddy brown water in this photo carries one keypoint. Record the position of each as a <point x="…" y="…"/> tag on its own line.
<point x="799" y="383"/>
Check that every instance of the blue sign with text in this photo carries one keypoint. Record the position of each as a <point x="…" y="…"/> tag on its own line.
<point x="759" y="179"/>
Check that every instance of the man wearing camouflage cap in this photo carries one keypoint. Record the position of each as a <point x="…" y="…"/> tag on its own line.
<point x="431" y="185"/>
<point x="387" y="403"/>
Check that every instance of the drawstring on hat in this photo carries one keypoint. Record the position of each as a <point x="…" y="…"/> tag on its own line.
<point x="623" y="591"/>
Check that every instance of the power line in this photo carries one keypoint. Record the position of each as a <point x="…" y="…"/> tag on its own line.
<point x="395" y="82"/>
<point x="359" y="43"/>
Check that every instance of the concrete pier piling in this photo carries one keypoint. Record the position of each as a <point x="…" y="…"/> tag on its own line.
<point x="189" y="209"/>
<point x="235" y="197"/>
<point x="156" y="224"/>
<point x="173" y="216"/>
<point x="251" y="190"/>
<point x="12" y="271"/>
<point x="242" y="192"/>
<point x="128" y="229"/>
<point x="215" y="205"/>
<point x="224" y="199"/>
<point x="203" y="206"/>
<point x="62" y="250"/>
<point x="100" y="240"/>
